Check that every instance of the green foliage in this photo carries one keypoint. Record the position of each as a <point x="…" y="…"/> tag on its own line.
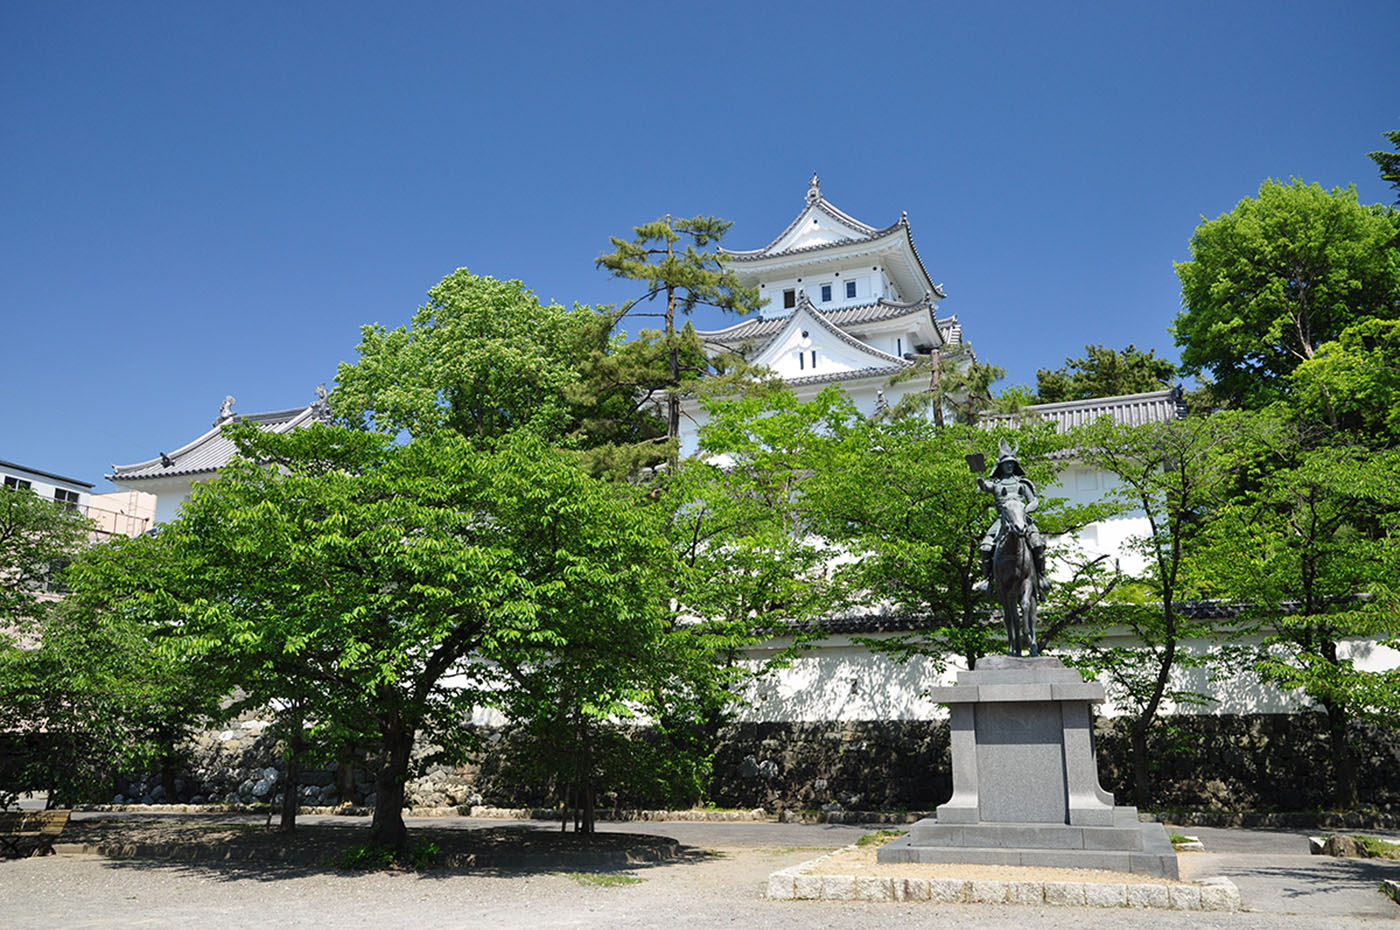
<point x="1103" y="372"/>
<point x="603" y="879"/>
<point x="369" y="573"/>
<point x="482" y="357"/>
<point x="1312" y="540"/>
<point x="1174" y="474"/>
<point x="1270" y="281"/>
<point x="100" y="693"/>
<point x="687" y="278"/>
<point x="879" y="837"/>
<point x="898" y="498"/>
<point x="37" y="538"/>
<point x="957" y="381"/>
<point x="1377" y="848"/>
<point x="369" y="857"/>
<point x="1388" y="163"/>
<point x="1352" y="384"/>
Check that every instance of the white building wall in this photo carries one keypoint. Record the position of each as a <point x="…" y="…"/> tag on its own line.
<point x="838" y="680"/>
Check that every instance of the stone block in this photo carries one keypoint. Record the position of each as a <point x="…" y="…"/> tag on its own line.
<point x="1219" y="894"/>
<point x="987" y="892"/>
<point x="1101" y="895"/>
<point x="1026" y="893"/>
<point x="870" y="888"/>
<point x="948" y="890"/>
<point x="1064" y="894"/>
<point x="1185" y="897"/>
<point x="1149" y="896"/>
<point x="781" y="885"/>
<point x="838" y="888"/>
<point x="1014" y="692"/>
<point x="1112" y="837"/>
<point x="1077" y="691"/>
<point x="807" y="887"/>
<point x="911" y="889"/>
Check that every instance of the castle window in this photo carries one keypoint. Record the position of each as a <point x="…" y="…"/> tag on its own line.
<point x="814" y="359"/>
<point x="826" y="293"/>
<point x="789" y="299"/>
<point x="850" y="289"/>
<point x="800" y="363"/>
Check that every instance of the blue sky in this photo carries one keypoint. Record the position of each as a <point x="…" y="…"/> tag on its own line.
<point x="199" y="200"/>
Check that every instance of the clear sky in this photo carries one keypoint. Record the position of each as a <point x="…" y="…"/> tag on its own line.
<point x="199" y="199"/>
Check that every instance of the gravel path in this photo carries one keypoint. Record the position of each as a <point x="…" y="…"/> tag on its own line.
<point x="720" y="890"/>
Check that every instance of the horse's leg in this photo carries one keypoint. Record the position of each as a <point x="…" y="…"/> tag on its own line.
<point x="1028" y="617"/>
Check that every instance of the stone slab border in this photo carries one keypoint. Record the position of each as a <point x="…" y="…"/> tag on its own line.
<point x="1392" y="889"/>
<point x="799" y="883"/>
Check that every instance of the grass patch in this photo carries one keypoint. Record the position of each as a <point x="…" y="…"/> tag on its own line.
<point x="423" y="854"/>
<point x="603" y="879"/>
<point x="879" y="837"/>
<point x="1377" y="848"/>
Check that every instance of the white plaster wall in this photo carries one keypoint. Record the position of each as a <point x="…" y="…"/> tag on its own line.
<point x="837" y="680"/>
<point x="872" y="283"/>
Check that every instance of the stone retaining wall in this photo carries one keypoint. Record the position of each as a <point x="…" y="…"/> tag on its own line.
<point x="1204" y="763"/>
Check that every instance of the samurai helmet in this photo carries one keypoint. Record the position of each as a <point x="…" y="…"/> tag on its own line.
<point x="1007" y="453"/>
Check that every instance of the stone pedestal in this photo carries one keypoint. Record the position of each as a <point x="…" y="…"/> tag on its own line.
<point x="1025" y="782"/>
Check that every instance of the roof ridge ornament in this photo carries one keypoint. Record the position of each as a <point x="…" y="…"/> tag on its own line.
<point x="814" y="189"/>
<point x="320" y="407"/>
<point x="226" y="410"/>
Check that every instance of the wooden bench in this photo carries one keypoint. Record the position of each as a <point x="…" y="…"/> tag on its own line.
<point x="30" y="833"/>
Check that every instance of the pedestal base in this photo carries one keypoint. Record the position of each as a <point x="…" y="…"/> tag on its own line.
<point x="1025" y="783"/>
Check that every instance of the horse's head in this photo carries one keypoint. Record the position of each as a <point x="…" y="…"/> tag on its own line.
<point x="1012" y="511"/>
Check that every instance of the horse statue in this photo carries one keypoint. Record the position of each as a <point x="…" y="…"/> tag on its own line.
<point x="1017" y="581"/>
<point x="1012" y="549"/>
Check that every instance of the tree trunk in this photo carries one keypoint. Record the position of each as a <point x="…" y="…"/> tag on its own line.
<point x="1142" y="773"/>
<point x="291" y="777"/>
<point x="1345" y="794"/>
<point x="387" y="828"/>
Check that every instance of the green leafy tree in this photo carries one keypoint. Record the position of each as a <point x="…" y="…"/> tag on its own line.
<point x="1103" y="372"/>
<point x="685" y="278"/>
<point x="1311" y="548"/>
<point x="37" y="539"/>
<point x="482" y="357"/>
<point x="100" y="693"/>
<point x="1388" y="163"/>
<point x="1270" y="281"/>
<point x="389" y="579"/>
<point x="1173" y="474"/>
<point x="897" y="496"/>
<point x="1352" y="384"/>
<point x="957" y="382"/>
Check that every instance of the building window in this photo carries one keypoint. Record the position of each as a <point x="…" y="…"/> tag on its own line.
<point x="826" y="293"/>
<point x="789" y="299"/>
<point x="814" y="359"/>
<point x="800" y="363"/>
<point x="850" y="289"/>
<point x="15" y="484"/>
<point x="69" y="499"/>
<point x="899" y="346"/>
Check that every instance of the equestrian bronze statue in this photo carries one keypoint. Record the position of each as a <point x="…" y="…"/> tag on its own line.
<point x="1012" y="550"/>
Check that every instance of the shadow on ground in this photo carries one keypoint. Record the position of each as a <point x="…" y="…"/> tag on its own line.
<point x="240" y="850"/>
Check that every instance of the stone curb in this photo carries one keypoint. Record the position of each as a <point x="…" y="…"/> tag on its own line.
<point x="1391" y="888"/>
<point x="798" y="883"/>
<point x="481" y="811"/>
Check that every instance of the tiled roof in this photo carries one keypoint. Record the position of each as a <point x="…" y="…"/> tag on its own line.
<point x="213" y="450"/>
<point x="762" y="330"/>
<point x="849" y="375"/>
<point x="1125" y="409"/>
<point x="865" y="233"/>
